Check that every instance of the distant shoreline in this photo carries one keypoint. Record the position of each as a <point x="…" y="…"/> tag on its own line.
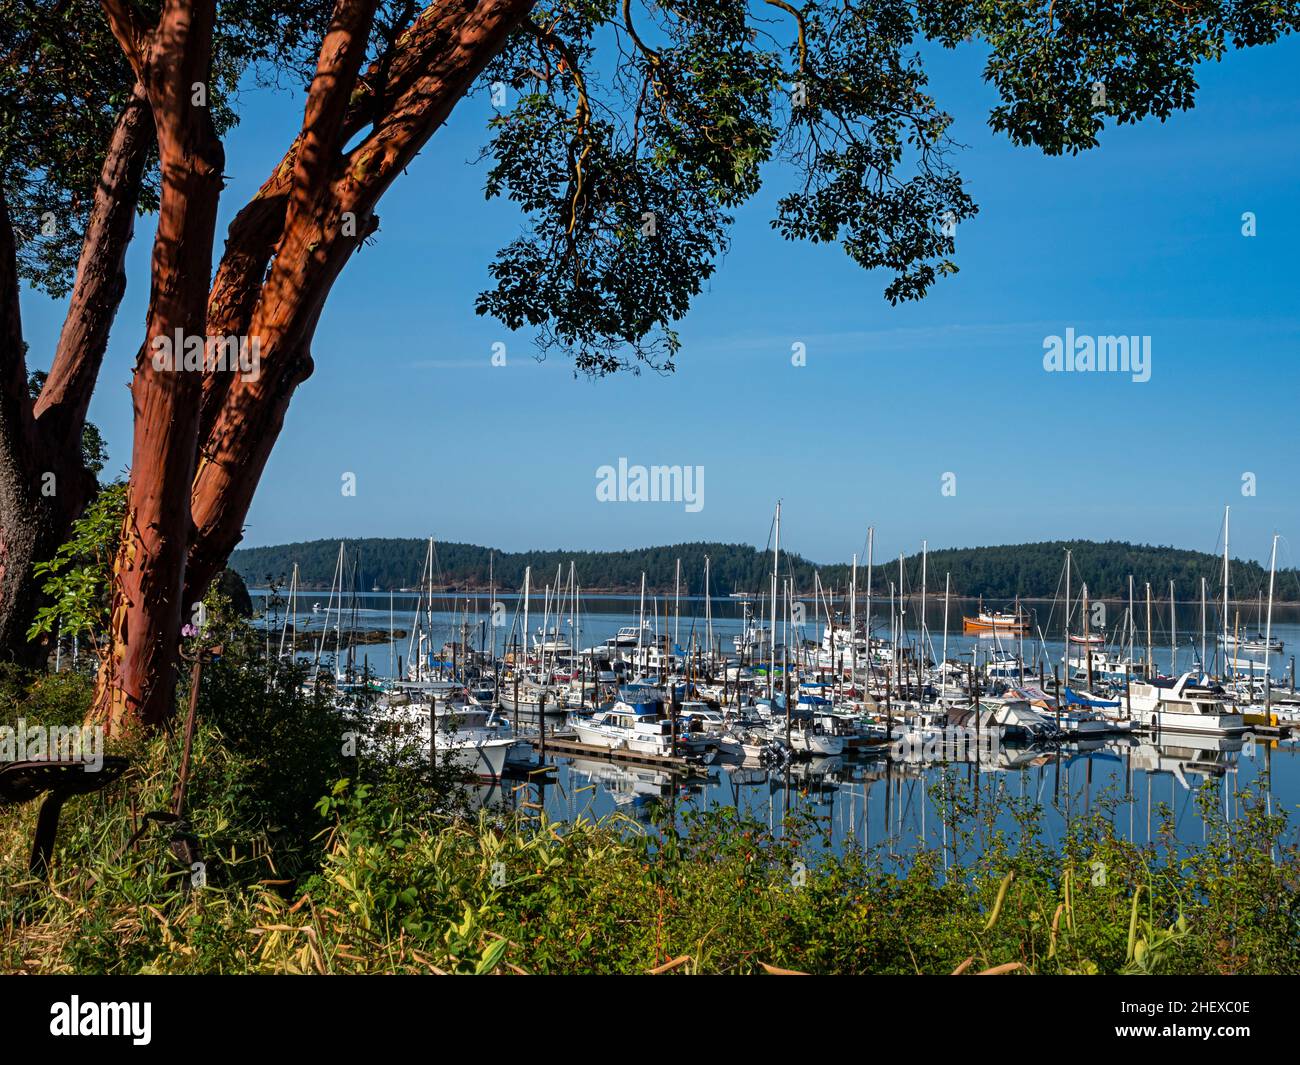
<point x="449" y="592"/>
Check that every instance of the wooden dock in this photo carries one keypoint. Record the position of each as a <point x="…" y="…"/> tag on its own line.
<point x="566" y="744"/>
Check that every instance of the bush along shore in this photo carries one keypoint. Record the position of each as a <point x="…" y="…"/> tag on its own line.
<point x="310" y="860"/>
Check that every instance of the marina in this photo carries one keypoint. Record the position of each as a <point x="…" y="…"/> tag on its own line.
<point x="858" y="700"/>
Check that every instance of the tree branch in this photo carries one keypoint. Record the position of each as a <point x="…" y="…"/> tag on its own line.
<point x="101" y="278"/>
<point x="439" y="57"/>
<point x="15" y="405"/>
<point x="131" y="33"/>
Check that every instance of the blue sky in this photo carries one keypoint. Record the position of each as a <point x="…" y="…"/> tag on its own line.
<point x="1140" y="236"/>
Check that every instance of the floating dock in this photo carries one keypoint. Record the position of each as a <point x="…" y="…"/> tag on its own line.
<point x="566" y="744"/>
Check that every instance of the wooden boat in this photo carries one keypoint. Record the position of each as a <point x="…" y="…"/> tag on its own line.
<point x="996" y="621"/>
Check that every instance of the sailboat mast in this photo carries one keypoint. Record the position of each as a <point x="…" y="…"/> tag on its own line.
<point x="1132" y="621"/>
<point x="853" y="619"/>
<point x="528" y="574"/>
<point x="640" y="632"/>
<point x="1065" y="663"/>
<point x="943" y="665"/>
<point x="1203" y="616"/>
<point x="871" y="538"/>
<point x="924" y="563"/>
<point x="1225" y="588"/>
<point x="677" y="605"/>
<point x="708" y="605"/>
<point x="1151" y="672"/>
<point x="776" y="562"/>
<point x="1268" y="633"/>
<point x="1173" y="633"/>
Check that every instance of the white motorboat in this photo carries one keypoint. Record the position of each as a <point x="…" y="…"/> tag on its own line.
<point x="1182" y="707"/>
<point x="627" y="727"/>
<point x="467" y="738"/>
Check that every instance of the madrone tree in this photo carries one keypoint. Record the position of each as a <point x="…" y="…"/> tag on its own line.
<point x="626" y="132"/>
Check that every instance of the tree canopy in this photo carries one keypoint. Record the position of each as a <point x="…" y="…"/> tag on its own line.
<point x="628" y="134"/>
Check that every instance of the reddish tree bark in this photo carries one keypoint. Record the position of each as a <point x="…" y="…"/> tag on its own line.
<point x="442" y="54"/>
<point x="201" y="443"/>
<point x="43" y="483"/>
<point x="172" y="60"/>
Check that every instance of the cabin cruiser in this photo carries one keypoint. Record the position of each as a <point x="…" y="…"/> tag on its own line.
<point x="841" y="649"/>
<point x="627" y="727"/>
<point x="698" y="720"/>
<point x="1183" y="707"/>
<point x="629" y="637"/>
<point x="551" y="642"/>
<point x="466" y="739"/>
<point x="1107" y="667"/>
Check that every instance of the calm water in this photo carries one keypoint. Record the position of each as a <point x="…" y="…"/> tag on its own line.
<point x="873" y="800"/>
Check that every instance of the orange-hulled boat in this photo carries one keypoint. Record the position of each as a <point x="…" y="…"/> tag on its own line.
<point x="996" y="621"/>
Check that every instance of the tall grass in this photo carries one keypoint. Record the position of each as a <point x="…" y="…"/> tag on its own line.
<point x="315" y="863"/>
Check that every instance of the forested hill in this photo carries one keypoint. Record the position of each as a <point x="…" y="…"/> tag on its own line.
<point x="1026" y="570"/>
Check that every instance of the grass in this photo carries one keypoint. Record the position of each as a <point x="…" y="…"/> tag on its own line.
<point x="313" y="863"/>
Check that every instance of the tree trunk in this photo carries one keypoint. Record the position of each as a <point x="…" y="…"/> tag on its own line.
<point x="32" y="527"/>
<point x="138" y="680"/>
<point x="43" y="483"/>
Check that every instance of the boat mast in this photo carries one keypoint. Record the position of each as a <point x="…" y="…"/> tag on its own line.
<point x="677" y="604"/>
<point x="528" y="574"/>
<point x="893" y="633"/>
<point x="1087" y="637"/>
<point x="1065" y="664"/>
<point x="853" y="620"/>
<point x="776" y="554"/>
<point x="902" y="608"/>
<point x="573" y="612"/>
<point x="924" y="548"/>
<point x="1132" y="620"/>
<point x="708" y="605"/>
<point x="943" y="665"/>
<point x="289" y="615"/>
<point x="1203" y="604"/>
<point x="1268" y="634"/>
<point x="1225" y="589"/>
<point x="1173" y="633"/>
<point x="640" y="632"/>
<point x="871" y="536"/>
<point x="1151" y="672"/>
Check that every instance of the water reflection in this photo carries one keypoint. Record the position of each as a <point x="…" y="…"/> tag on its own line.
<point x="899" y="806"/>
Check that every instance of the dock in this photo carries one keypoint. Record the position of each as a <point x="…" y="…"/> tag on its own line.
<point x="563" y="743"/>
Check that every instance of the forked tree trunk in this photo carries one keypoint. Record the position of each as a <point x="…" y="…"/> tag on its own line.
<point x="138" y="680"/>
